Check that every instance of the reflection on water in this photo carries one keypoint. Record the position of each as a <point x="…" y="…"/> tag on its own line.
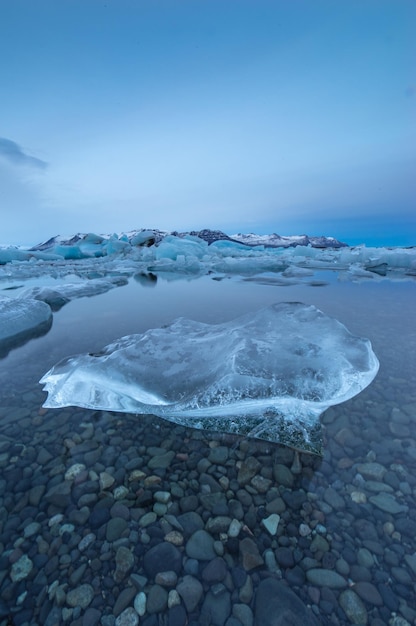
<point x="105" y="517"/>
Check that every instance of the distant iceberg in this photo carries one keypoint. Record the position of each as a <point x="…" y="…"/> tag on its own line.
<point x="203" y="252"/>
<point x="268" y="374"/>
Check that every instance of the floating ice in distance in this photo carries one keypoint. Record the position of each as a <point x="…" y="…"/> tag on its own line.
<point x="21" y="320"/>
<point x="268" y="374"/>
<point x="58" y="295"/>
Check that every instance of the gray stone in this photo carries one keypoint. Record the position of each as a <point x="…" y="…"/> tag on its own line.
<point x="277" y="505"/>
<point x="243" y="613"/>
<point x="387" y="503"/>
<point x="161" y="461"/>
<point x="319" y="544"/>
<point x="271" y="523"/>
<point x="372" y="471"/>
<point x="21" y="568"/>
<point x="216" y="606"/>
<point x="365" y="558"/>
<point x="115" y="528"/>
<point x="81" y="596"/>
<point x="77" y="575"/>
<point x="249" y="468"/>
<point x="353" y="606"/>
<point x="124" y="599"/>
<point x="215" y="571"/>
<point x="333" y="498"/>
<point x="200" y="546"/>
<point x="283" y="475"/>
<point x="218" y="455"/>
<point x="166" y="579"/>
<point x="91" y="617"/>
<point x="59" y="495"/>
<point x="162" y="557"/>
<point x="401" y="575"/>
<point x="124" y="563"/>
<point x="190" y="590"/>
<point x="277" y="605"/>
<point x="218" y="524"/>
<point x="54" y="617"/>
<point x="31" y="529"/>
<point x="128" y="617"/>
<point x="411" y="561"/>
<point x="157" y="599"/>
<point x="325" y="578"/>
<point x="249" y="554"/>
<point x="369" y="593"/>
<point x="35" y="494"/>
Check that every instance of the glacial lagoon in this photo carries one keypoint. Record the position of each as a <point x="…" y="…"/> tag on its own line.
<point x="116" y="518"/>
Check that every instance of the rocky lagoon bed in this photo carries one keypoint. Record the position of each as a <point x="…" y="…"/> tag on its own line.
<point x="120" y="519"/>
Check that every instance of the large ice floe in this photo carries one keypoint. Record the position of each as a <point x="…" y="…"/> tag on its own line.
<point x="268" y="374"/>
<point x="21" y="320"/>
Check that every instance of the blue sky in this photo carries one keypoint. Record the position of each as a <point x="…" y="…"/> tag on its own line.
<point x="253" y="116"/>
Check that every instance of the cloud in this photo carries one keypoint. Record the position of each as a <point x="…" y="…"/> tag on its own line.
<point x="11" y="151"/>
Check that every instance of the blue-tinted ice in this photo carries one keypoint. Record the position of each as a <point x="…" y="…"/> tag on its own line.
<point x="21" y="320"/>
<point x="268" y="374"/>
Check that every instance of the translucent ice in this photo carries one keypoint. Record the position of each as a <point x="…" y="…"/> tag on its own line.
<point x="21" y="320"/>
<point x="268" y="374"/>
<point x="58" y="295"/>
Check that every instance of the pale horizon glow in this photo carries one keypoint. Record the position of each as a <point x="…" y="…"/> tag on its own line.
<point x="256" y="116"/>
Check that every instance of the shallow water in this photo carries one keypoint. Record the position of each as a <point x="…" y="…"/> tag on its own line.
<point x="345" y="540"/>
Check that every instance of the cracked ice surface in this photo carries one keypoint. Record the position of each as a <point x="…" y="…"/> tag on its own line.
<point x="268" y="374"/>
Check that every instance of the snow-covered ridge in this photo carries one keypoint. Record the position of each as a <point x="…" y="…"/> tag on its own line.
<point x="148" y="237"/>
<point x="277" y="241"/>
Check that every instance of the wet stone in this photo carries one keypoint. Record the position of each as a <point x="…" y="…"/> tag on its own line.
<point x="124" y="599"/>
<point x="333" y="498"/>
<point x="161" y="461"/>
<point x="21" y="568"/>
<point x="115" y="528"/>
<point x="249" y="468"/>
<point x="91" y="617"/>
<point x="353" y="606"/>
<point x="161" y="558"/>
<point x="388" y="503"/>
<point x="124" y="563"/>
<point x="216" y="606"/>
<point x="215" y="571"/>
<point x="81" y="596"/>
<point x="218" y="455"/>
<point x="200" y="546"/>
<point x="249" y="554"/>
<point x="271" y="523"/>
<point x="372" y="471"/>
<point x="283" y="476"/>
<point x="128" y="617"/>
<point x="157" y="599"/>
<point x="277" y="605"/>
<point x="369" y="593"/>
<point x="325" y="578"/>
<point x="166" y="579"/>
<point x="190" y="590"/>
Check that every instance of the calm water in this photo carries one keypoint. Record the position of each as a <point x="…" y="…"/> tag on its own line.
<point x="351" y="513"/>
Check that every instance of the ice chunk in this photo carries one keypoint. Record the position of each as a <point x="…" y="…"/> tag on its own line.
<point x="58" y="295"/>
<point x="269" y="374"/>
<point x="21" y="320"/>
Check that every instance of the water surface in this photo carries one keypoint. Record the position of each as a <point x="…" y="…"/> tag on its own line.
<point x="351" y="513"/>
